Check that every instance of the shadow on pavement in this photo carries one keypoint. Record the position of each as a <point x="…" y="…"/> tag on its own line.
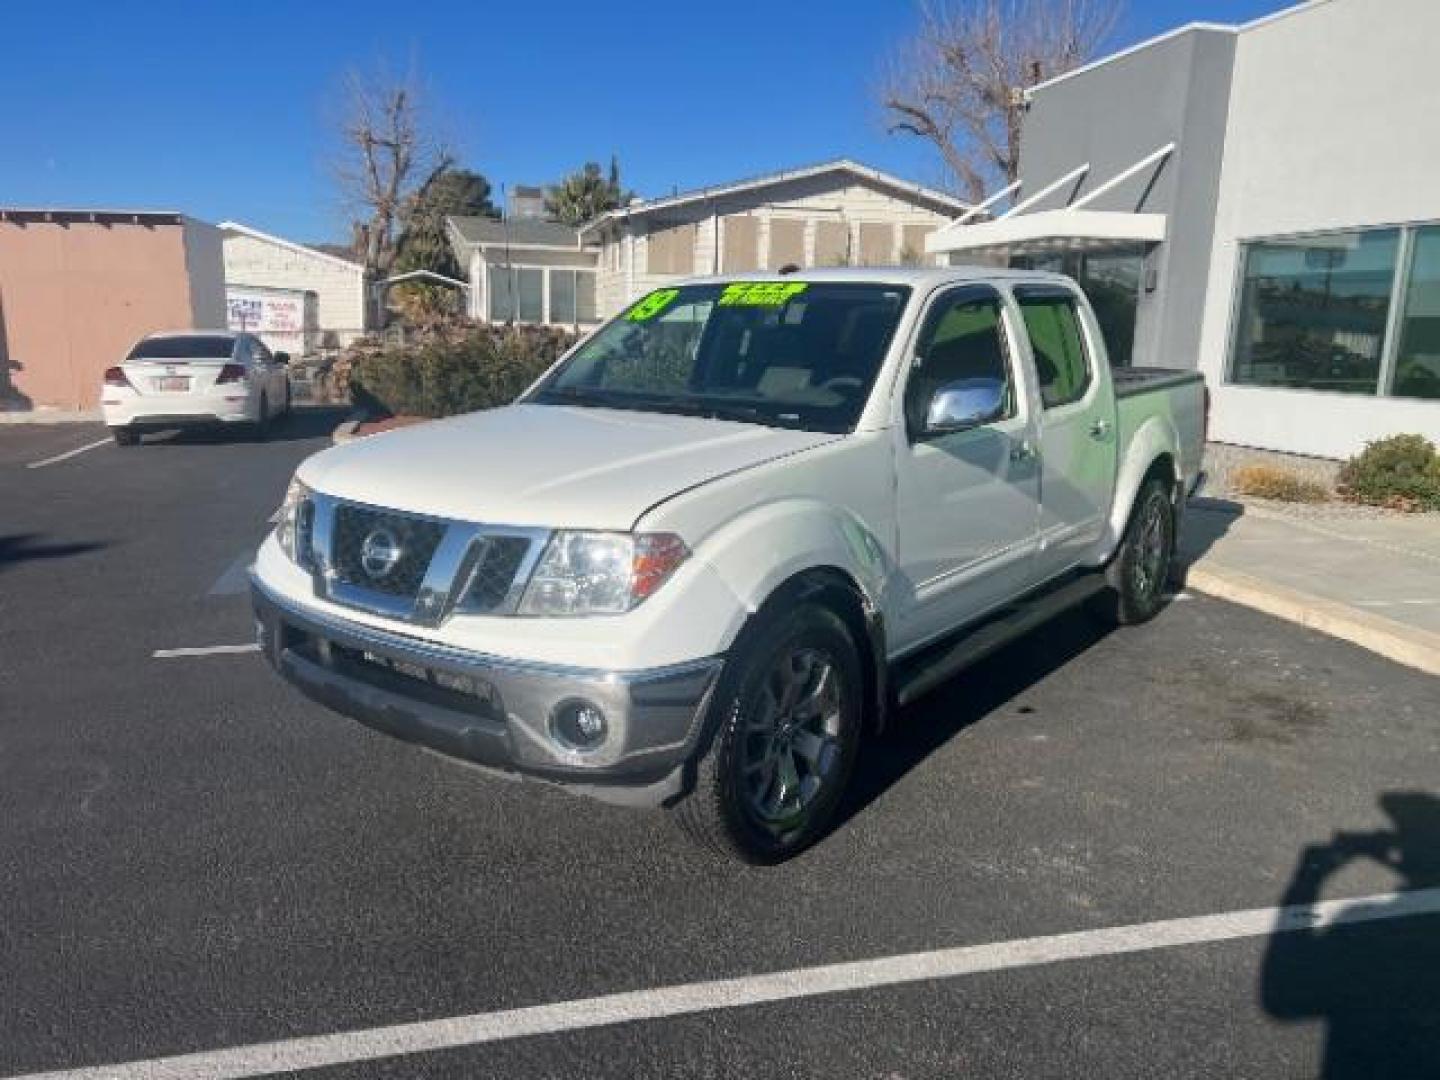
<point x="22" y="547"/>
<point x="1206" y="520"/>
<point x="303" y="424"/>
<point x="1375" y="986"/>
<point x="919" y="730"/>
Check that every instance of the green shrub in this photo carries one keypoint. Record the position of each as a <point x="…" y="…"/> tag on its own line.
<point x="455" y="371"/>
<point x="1273" y="482"/>
<point x="1401" y="472"/>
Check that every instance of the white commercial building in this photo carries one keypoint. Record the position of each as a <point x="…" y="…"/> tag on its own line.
<point x="1260" y="202"/>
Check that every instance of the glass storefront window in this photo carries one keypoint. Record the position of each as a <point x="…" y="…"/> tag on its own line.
<point x="1313" y="310"/>
<point x="1417" y="363"/>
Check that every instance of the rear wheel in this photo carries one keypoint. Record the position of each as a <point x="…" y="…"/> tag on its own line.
<point x="1140" y="571"/>
<point x="790" y="707"/>
<point x="125" y="436"/>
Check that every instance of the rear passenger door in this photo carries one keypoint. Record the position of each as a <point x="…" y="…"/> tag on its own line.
<point x="1077" y="426"/>
<point x="967" y="500"/>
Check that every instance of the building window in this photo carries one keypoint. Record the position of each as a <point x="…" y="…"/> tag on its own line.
<point x="671" y="251"/>
<point x="1417" y="363"/>
<point x="832" y="243"/>
<point x="877" y="243"/>
<point x="787" y="243"/>
<point x="585" y="310"/>
<point x="741" y="234"/>
<point x="1313" y="311"/>
<point x="562" y="296"/>
<point x="499" y="289"/>
<point x="530" y="291"/>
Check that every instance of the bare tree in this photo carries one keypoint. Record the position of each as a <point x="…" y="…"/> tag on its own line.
<point x="960" y="81"/>
<point x="386" y="149"/>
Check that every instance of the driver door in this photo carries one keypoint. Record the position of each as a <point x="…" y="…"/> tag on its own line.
<point x="968" y="501"/>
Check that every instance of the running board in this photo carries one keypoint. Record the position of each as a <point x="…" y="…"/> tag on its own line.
<point x="918" y="675"/>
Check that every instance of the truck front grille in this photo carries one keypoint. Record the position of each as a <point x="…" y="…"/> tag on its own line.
<point x="415" y="539"/>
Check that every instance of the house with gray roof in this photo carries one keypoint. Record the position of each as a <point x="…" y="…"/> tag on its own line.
<point x="837" y="213"/>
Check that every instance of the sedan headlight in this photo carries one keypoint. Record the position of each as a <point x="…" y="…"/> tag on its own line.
<point x="600" y="573"/>
<point x="292" y="525"/>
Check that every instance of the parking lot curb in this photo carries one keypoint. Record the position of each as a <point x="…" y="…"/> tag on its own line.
<point x="1404" y="644"/>
<point x="346" y="431"/>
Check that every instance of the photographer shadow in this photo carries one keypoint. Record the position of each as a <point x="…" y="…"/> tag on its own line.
<point x="1373" y="980"/>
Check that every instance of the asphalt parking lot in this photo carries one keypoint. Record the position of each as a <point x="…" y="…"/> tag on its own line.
<point x="193" y="858"/>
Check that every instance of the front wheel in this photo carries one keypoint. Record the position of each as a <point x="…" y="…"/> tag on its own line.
<point x="1141" y="569"/>
<point x="125" y="436"/>
<point x="790" y="708"/>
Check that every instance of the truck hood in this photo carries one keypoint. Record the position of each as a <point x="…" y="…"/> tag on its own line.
<point x="546" y="465"/>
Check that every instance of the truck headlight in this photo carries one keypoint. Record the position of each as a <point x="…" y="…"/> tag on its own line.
<point x="600" y="573"/>
<point x="292" y="526"/>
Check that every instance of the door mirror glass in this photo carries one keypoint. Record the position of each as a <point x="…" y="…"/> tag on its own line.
<point x="282" y="358"/>
<point x="965" y="403"/>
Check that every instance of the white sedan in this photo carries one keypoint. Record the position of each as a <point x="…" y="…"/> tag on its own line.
<point x="189" y="378"/>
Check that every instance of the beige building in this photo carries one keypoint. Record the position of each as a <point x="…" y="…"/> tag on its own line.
<point x="79" y="287"/>
<point x="836" y="214"/>
<point x="296" y="298"/>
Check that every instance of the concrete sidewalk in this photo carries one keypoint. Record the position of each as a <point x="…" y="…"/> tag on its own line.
<point x="1370" y="579"/>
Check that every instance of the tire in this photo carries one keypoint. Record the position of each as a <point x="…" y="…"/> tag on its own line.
<point x="1141" y="570"/>
<point x="790" y="703"/>
<point x="125" y="436"/>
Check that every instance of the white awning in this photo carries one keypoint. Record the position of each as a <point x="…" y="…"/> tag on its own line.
<point x="1050" y="231"/>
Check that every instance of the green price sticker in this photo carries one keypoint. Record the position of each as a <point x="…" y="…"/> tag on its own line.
<point x="761" y="293"/>
<point x="647" y="307"/>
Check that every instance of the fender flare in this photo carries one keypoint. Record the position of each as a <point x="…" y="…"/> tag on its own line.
<point x="804" y="549"/>
<point x="1154" y="442"/>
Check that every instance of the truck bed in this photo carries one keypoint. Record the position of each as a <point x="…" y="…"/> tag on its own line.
<point x="1130" y="381"/>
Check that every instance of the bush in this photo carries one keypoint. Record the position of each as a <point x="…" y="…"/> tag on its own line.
<point x="1271" y="482"/>
<point x="452" y="371"/>
<point x="1401" y="472"/>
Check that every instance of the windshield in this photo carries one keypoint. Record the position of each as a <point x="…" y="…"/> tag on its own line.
<point x="788" y="353"/>
<point x="184" y="347"/>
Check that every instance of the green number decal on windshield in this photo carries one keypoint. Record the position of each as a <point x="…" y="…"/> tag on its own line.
<point x="761" y="293"/>
<point x="647" y="307"/>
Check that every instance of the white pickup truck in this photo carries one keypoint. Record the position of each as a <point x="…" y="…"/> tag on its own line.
<point x="707" y="553"/>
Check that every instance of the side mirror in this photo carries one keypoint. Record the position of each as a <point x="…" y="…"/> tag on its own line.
<point x="282" y="357"/>
<point x="965" y="403"/>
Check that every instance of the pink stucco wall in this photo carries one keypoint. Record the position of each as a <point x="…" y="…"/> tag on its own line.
<point x="74" y="296"/>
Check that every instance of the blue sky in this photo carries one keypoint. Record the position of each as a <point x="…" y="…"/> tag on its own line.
<point x="222" y="111"/>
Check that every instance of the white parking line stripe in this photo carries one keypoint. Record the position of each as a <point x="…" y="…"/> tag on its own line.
<point x="68" y="454"/>
<point x="205" y="650"/>
<point x="322" y="1051"/>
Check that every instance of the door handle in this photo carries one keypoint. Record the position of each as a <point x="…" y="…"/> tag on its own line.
<point x="1100" y="430"/>
<point x="1023" y="450"/>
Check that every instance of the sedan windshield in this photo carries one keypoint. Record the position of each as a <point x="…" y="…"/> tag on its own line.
<point x="787" y="354"/>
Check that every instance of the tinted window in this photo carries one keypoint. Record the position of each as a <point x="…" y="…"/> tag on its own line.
<point x="1417" y="368"/>
<point x="963" y="339"/>
<point x="1053" y="324"/>
<point x="789" y="353"/>
<point x="184" y="347"/>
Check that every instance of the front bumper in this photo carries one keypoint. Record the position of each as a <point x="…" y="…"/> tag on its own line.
<point x="492" y="711"/>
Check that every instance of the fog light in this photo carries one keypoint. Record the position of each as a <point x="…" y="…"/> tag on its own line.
<point x="579" y="725"/>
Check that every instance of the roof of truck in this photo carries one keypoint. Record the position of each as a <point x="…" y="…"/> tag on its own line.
<point x="915" y="276"/>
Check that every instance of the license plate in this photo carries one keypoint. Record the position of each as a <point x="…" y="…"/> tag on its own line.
<point x="172" y="383"/>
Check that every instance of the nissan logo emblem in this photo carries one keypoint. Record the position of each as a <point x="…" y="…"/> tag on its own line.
<point x="379" y="553"/>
